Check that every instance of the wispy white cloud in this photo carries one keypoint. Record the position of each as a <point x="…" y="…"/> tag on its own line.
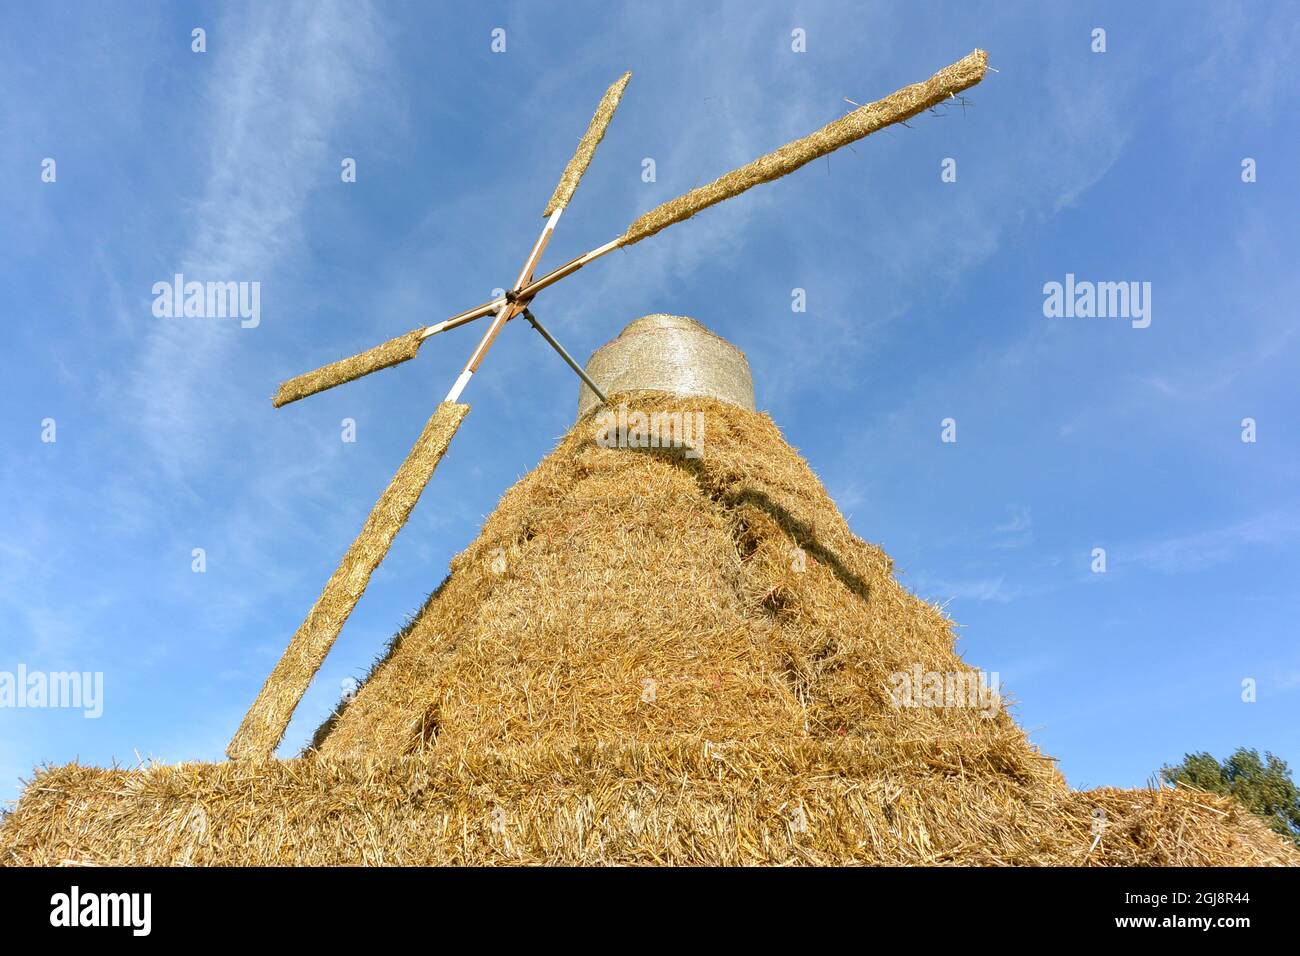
<point x="282" y="80"/>
<point x="1017" y="531"/>
<point x="991" y="588"/>
<point x="1257" y="45"/>
<point x="285" y="77"/>
<point x="1204" y="549"/>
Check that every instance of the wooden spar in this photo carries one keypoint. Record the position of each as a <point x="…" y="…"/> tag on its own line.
<point x="508" y="309"/>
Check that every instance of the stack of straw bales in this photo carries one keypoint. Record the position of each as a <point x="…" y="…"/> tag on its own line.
<point x="633" y="664"/>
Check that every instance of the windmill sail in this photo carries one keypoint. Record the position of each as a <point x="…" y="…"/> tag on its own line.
<point x="265" y="723"/>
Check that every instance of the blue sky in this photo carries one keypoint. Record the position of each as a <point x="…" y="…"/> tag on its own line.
<point x="924" y="302"/>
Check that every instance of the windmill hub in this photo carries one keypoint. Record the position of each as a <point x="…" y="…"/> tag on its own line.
<point x="670" y="353"/>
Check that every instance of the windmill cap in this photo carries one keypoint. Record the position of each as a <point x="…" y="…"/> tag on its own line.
<point x="669" y="353"/>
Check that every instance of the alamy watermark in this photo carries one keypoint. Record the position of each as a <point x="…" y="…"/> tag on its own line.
<point x="133" y="911"/>
<point x="977" y="690"/>
<point x="1085" y="299"/>
<point x="76" y="690"/>
<point x="624" y="429"/>
<point x="208" y="300"/>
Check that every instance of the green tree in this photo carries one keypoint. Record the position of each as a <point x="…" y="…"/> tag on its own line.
<point x="1264" y="786"/>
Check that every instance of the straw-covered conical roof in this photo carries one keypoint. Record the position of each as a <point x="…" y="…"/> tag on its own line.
<point x="649" y="655"/>
<point x="727" y="587"/>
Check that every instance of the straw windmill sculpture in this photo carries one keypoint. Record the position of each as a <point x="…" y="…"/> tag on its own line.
<point x="267" y="719"/>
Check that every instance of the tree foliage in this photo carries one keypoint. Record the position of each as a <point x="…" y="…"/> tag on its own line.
<point x="1264" y="786"/>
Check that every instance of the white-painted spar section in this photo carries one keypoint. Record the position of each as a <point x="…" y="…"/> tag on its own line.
<point x="461" y="381"/>
<point x="508" y="309"/>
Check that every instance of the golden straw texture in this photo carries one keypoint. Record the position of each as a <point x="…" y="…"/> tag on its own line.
<point x="730" y="581"/>
<point x="678" y="802"/>
<point x="390" y="353"/>
<point x="587" y="145"/>
<point x="646" y="659"/>
<point x="266" y="720"/>
<point x="669" y="353"/>
<point x="895" y="108"/>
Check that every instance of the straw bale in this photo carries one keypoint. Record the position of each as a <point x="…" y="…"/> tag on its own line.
<point x="390" y="353"/>
<point x="1161" y="827"/>
<point x="682" y="801"/>
<point x="899" y="106"/>
<point x="582" y="157"/>
<point x="264" y="724"/>
<point x="669" y="353"/>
